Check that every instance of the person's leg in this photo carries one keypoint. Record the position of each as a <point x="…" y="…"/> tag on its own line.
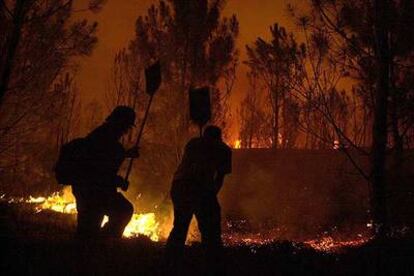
<point x="89" y="223"/>
<point x="208" y="216"/>
<point x="209" y="222"/>
<point x="89" y="217"/>
<point x="182" y="217"/>
<point x="119" y="211"/>
<point x="174" y="249"/>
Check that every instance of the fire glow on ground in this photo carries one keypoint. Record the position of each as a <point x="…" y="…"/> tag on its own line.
<point x="147" y="224"/>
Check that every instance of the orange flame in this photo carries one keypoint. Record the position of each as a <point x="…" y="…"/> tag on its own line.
<point x="64" y="202"/>
<point x="237" y="144"/>
<point x="148" y="225"/>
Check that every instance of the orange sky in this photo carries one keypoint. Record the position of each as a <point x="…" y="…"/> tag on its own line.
<point x="116" y="27"/>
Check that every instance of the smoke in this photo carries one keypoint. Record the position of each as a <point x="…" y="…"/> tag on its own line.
<point x="296" y="194"/>
<point x="288" y="194"/>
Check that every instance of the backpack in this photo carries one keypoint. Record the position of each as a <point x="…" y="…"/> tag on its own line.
<point x="70" y="165"/>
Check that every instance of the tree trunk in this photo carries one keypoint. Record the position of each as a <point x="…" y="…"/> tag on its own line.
<point x="12" y="44"/>
<point x="397" y="138"/>
<point x="275" y="120"/>
<point x="379" y="139"/>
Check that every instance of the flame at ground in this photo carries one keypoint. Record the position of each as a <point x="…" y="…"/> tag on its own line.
<point x="147" y="225"/>
<point x="237" y="144"/>
<point x="55" y="202"/>
<point x="140" y="224"/>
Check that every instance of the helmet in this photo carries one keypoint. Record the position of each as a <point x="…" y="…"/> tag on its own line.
<point x="122" y="115"/>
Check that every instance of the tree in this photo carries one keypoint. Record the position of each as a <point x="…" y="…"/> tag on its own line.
<point x="291" y="117"/>
<point x="255" y="122"/>
<point x="39" y="40"/>
<point x="197" y="47"/>
<point x="277" y="62"/>
<point x="373" y="50"/>
<point x="380" y="129"/>
<point x="29" y="25"/>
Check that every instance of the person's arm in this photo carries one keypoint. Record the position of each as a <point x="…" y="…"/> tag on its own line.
<point x="224" y="168"/>
<point x="218" y="182"/>
<point x="115" y="162"/>
<point x="120" y="182"/>
<point x="132" y="153"/>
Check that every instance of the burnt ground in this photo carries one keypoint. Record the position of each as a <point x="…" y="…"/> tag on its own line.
<point x="41" y="244"/>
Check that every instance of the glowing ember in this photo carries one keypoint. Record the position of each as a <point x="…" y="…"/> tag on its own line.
<point x="328" y="244"/>
<point x="147" y="225"/>
<point x="235" y="239"/>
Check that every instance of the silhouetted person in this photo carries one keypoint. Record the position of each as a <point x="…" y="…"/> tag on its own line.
<point x="195" y="186"/>
<point x="96" y="188"/>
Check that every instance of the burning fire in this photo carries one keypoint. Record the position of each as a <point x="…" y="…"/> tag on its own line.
<point x="148" y="225"/>
<point x="237" y="144"/>
<point x="55" y="202"/>
<point x="140" y="224"/>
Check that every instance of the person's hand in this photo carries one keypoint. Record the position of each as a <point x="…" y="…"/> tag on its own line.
<point x="122" y="183"/>
<point x="132" y="152"/>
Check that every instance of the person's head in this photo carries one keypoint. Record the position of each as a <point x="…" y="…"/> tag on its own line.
<point x="121" y="119"/>
<point x="212" y="133"/>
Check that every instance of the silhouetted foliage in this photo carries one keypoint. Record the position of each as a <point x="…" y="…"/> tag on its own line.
<point x="277" y="62"/>
<point x="38" y="41"/>
<point x="197" y="47"/>
<point x="255" y="123"/>
<point x="367" y="39"/>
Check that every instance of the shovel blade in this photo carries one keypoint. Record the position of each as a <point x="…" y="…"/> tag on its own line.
<point x="153" y="78"/>
<point x="200" y="107"/>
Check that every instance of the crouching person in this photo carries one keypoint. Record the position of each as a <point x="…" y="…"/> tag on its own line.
<point x="94" y="162"/>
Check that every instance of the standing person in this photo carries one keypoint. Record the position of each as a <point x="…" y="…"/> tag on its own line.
<point x="195" y="186"/>
<point x="95" y="188"/>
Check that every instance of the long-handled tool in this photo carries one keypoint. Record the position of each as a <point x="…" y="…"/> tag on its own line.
<point x="200" y="114"/>
<point x="153" y="82"/>
<point x="200" y="106"/>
